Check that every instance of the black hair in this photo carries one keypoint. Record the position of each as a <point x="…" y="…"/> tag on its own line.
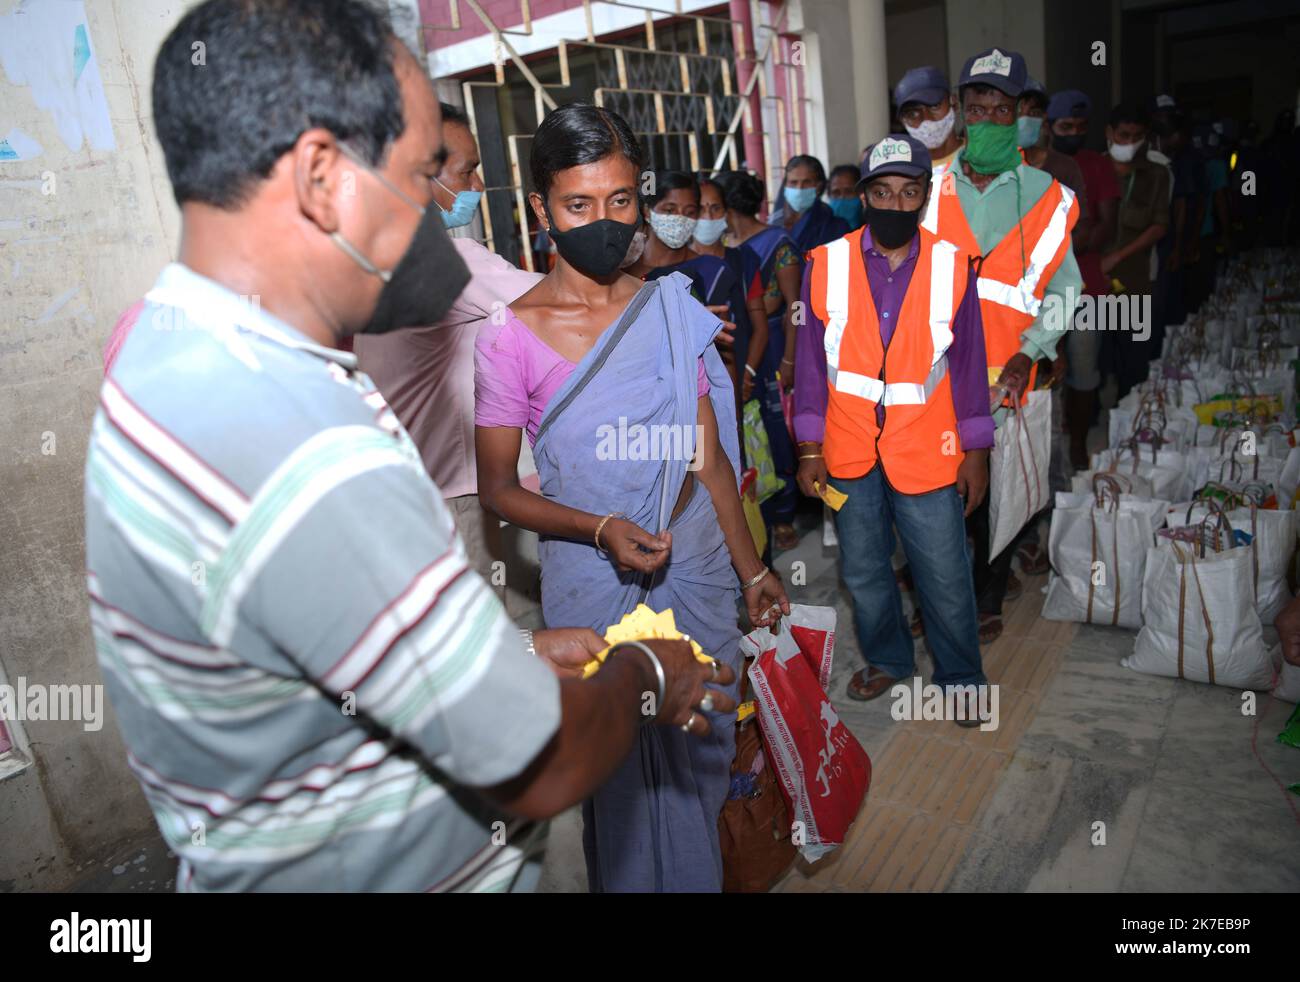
<point x="1128" y="112"/>
<point x="670" y="180"/>
<point x="807" y="160"/>
<point x="742" y="192"/>
<point x="705" y="180"/>
<point x="453" y="114"/>
<point x="979" y="88"/>
<point x="851" y="169"/>
<point x="450" y="114"/>
<point x="578" y="134"/>
<point x="1036" y="96"/>
<point x="266" y="72"/>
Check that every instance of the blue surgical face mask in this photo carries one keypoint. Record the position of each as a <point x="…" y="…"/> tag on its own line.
<point x="709" y="230"/>
<point x="849" y="209"/>
<point x="1029" y="129"/>
<point x="800" y="199"/>
<point x="462" y="209"/>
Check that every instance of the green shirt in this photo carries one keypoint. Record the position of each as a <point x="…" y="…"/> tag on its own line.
<point x="992" y="213"/>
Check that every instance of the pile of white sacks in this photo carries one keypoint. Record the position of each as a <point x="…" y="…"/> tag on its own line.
<point x="1185" y="528"/>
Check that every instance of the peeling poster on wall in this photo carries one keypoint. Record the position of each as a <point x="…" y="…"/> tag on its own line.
<point x="46" y="46"/>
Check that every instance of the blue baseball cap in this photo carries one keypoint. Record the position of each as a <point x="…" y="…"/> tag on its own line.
<point x="1004" y="70"/>
<point x="1068" y="103"/>
<point x="897" y="153"/>
<point x="926" y="85"/>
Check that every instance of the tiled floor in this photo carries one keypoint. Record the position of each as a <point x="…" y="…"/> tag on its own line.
<point x="934" y="780"/>
<point x="1097" y="779"/>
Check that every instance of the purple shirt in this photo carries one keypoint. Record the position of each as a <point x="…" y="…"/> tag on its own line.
<point x="967" y="363"/>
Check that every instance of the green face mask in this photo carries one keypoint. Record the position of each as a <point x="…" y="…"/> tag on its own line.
<point x="990" y="148"/>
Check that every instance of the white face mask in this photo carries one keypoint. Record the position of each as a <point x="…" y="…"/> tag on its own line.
<point x="1124" y="152"/>
<point x="933" y="131"/>
<point x="674" y="231"/>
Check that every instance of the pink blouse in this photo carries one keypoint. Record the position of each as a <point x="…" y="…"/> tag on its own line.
<point x="516" y="374"/>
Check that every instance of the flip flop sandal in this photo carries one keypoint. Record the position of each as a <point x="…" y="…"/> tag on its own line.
<point x="1033" y="560"/>
<point x="990" y="628"/>
<point x="861" y="678"/>
<point x="784" y="537"/>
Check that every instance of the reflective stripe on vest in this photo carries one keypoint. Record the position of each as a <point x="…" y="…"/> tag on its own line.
<point x="930" y="222"/>
<point x="1019" y="296"/>
<point x="942" y="268"/>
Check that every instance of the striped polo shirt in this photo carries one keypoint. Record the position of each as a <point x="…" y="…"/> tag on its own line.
<point x="309" y="678"/>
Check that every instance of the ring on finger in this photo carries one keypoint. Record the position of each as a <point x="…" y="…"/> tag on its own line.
<point x="706" y="704"/>
<point x="716" y="666"/>
<point x="686" y="727"/>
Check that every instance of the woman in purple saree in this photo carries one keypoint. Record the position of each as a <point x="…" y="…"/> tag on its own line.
<point x="618" y="386"/>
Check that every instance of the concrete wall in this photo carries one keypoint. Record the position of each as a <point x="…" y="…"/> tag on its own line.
<point x="1072" y="31"/>
<point x="846" y="74"/>
<point x="917" y="34"/>
<point x="70" y="262"/>
<point x="974" y="25"/>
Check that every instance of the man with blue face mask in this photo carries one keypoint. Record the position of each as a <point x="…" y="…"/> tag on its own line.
<point x="427" y="373"/>
<point x="457" y="188"/>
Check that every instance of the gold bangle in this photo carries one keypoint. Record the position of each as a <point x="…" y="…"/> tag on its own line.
<point x="600" y="527"/>
<point x="809" y="456"/>
<point x="756" y="580"/>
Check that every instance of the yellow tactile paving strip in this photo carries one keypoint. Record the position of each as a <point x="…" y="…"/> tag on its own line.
<point x="933" y="780"/>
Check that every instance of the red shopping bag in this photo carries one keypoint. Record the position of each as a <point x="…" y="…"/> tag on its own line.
<point x="823" y="770"/>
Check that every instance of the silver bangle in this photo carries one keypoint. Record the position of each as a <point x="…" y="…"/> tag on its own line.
<point x="526" y="637"/>
<point x="658" y="667"/>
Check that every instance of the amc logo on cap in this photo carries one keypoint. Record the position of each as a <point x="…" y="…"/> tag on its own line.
<point x="890" y="152"/>
<point x="993" y="63"/>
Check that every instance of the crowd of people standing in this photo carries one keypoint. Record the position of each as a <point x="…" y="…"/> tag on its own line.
<point x="887" y="316"/>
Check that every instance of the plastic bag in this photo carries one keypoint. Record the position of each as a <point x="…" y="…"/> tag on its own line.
<point x="1199" y="619"/>
<point x="758" y="452"/>
<point x="823" y="770"/>
<point x="1098" y="547"/>
<point x="1018" y="470"/>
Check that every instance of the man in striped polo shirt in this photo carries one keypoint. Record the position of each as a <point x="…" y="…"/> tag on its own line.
<point x="316" y="691"/>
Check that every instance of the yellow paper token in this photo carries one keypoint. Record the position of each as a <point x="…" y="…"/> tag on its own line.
<point x="639" y="625"/>
<point x="832" y="496"/>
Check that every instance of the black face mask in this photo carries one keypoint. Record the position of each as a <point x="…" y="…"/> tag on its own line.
<point x="891" y="228"/>
<point x="1068" y="144"/>
<point x="426" y="281"/>
<point x="597" y="248"/>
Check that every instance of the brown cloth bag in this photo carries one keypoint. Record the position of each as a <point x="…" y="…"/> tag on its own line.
<point x="754" y="832"/>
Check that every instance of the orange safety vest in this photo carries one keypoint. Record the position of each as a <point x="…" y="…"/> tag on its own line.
<point x="1010" y="288"/>
<point x="918" y="445"/>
